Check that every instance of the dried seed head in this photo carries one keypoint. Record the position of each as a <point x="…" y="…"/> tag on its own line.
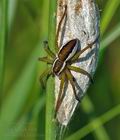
<point x="82" y="22"/>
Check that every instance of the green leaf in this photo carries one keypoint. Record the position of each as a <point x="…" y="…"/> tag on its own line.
<point x="3" y="33"/>
<point x="89" y="109"/>
<point x="11" y="11"/>
<point x="96" y="123"/>
<point x="14" y="103"/>
<point x="25" y="120"/>
<point x="112" y="36"/>
<point x="108" y="13"/>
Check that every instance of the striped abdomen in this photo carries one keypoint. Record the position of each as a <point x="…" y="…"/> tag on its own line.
<point x="65" y="53"/>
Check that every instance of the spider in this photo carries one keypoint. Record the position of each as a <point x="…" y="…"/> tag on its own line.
<point x="62" y="62"/>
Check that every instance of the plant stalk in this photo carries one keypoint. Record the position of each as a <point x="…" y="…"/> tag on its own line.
<point x="3" y="31"/>
<point x="50" y="96"/>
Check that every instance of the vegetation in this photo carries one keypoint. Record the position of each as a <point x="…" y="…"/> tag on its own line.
<point x="23" y="27"/>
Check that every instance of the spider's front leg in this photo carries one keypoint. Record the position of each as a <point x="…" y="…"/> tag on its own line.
<point x="59" y="27"/>
<point x="45" y="59"/>
<point x="47" y="49"/>
<point x="49" y="52"/>
<point x="77" y="55"/>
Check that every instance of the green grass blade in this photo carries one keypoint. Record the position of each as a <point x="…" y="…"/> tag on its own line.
<point x="89" y="109"/>
<point x="93" y="125"/>
<point x="11" y="11"/>
<point x="25" y="120"/>
<point x="112" y="36"/>
<point x="108" y="13"/>
<point x="18" y="95"/>
<point x="50" y="96"/>
<point x="3" y="29"/>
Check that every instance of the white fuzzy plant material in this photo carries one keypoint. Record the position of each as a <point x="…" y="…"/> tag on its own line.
<point x="81" y="22"/>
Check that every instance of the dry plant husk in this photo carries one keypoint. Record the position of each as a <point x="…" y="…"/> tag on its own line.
<point x="81" y="22"/>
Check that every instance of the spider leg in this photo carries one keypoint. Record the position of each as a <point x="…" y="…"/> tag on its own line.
<point x="58" y="30"/>
<point x="47" y="49"/>
<point x="60" y="95"/>
<point x="79" y="70"/>
<point x="45" y="59"/>
<point x="77" y="55"/>
<point x="72" y="82"/>
<point x="45" y="74"/>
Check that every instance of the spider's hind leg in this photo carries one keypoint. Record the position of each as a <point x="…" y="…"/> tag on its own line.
<point x="60" y="94"/>
<point x="82" y="71"/>
<point x="44" y="76"/>
<point x="72" y="82"/>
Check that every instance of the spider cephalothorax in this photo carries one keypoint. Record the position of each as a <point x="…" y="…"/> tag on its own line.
<point x="62" y="62"/>
<point x="65" y="53"/>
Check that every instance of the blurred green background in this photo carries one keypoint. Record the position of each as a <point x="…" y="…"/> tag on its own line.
<point x="23" y="101"/>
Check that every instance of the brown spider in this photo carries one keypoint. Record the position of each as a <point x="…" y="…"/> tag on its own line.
<point x="61" y="63"/>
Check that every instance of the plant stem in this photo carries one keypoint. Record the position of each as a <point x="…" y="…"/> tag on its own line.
<point x="52" y="23"/>
<point x="50" y="97"/>
<point x="3" y="28"/>
<point x="50" y="124"/>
